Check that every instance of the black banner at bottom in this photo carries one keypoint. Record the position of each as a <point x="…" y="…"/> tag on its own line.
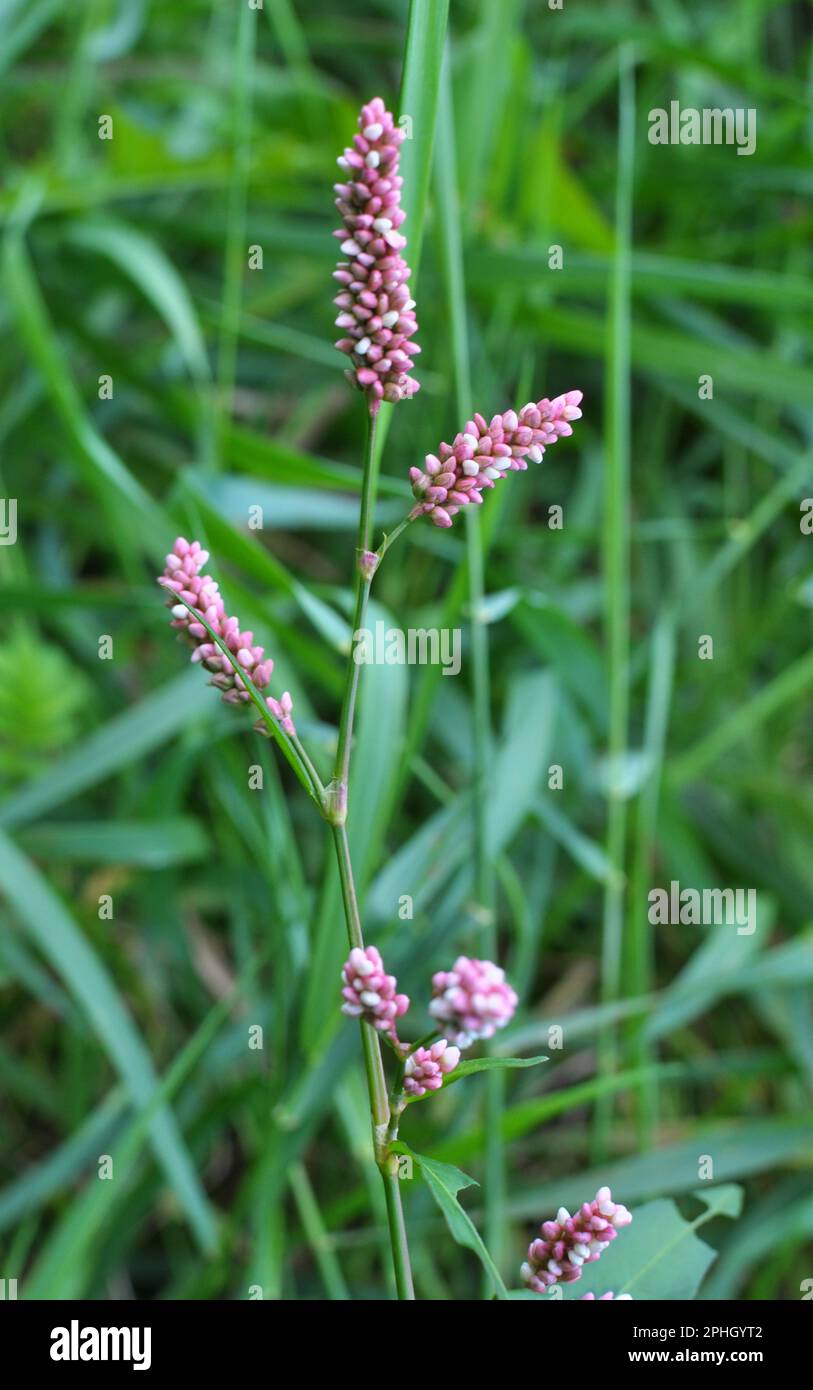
<point x="77" y="1340"/>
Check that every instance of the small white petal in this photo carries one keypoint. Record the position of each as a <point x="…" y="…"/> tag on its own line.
<point x="471" y="468"/>
<point x="471" y="439"/>
<point x="493" y="474"/>
<point x="370" y="998"/>
<point x="178" y="610"/>
<point x="373" y="159"/>
<point x="372" y="132"/>
<point x="350" y="247"/>
<point x="382" y="224"/>
<point x="363" y="346"/>
<point x="390" y="318"/>
<point x="575" y="1259"/>
<point x="562" y="1215"/>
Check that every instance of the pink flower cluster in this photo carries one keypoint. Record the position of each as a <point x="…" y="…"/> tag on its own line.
<point x="370" y="993"/>
<point x="619" y="1297"/>
<point x="572" y="1241"/>
<point x="182" y="576"/>
<point x="473" y="997"/>
<point x="472" y="1000"/>
<point x="375" y="309"/>
<point x="426" y="1067"/>
<point x="483" y="453"/>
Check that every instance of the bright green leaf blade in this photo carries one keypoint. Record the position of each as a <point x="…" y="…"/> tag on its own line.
<point x="475" y="1064"/>
<point x="444" y="1183"/>
<point x="659" y="1256"/>
<point x="59" y="938"/>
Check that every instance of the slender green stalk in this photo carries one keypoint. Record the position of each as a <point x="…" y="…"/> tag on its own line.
<point x="393" y="535"/>
<point x="451" y="258"/>
<point x="616" y="566"/>
<point x="362" y="594"/>
<point x="640" y="964"/>
<point x="337" y="814"/>
<point x="376" y="1085"/>
<point x="400" y="1249"/>
<point x="317" y="1235"/>
<point x="236" y="224"/>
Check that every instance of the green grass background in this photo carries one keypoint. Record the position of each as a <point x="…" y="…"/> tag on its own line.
<point x="237" y="1168"/>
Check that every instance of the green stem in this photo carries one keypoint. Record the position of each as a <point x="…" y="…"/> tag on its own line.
<point x="400" y="1250"/>
<point x="616" y="570"/>
<point x="236" y="217"/>
<point x="337" y="814"/>
<point x="363" y="582"/>
<point x="316" y="1233"/>
<point x="376" y="1085"/>
<point x="393" y="535"/>
<point x="451" y="257"/>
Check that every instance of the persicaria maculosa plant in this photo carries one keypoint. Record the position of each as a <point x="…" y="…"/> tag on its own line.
<point x="470" y="1001"/>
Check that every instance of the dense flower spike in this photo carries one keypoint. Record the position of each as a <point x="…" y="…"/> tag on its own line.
<point x="182" y="575"/>
<point x="482" y="454"/>
<point x="619" y="1297"/>
<point x="472" y="1000"/>
<point x="370" y="993"/>
<point x="426" y="1067"/>
<point x="572" y="1241"/>
<point x="375" y="309"/>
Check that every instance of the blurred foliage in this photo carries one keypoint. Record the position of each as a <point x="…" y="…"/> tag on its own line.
<point x="127" y="258"/>
<point x="42" y="696"/>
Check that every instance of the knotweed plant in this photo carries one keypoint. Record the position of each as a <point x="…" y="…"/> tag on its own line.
<point x="471" y="1000"/>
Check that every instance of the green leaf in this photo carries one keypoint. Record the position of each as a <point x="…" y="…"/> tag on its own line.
<point x="738" y="1147"/>
<point x="59" y="938"/>
<point x="420" y="86"/>
<point x="99" y="463"/>
<point x="62" y="1269"/>
<point x="155" y="275"/>
<point x="53" y="1174"/>
<point x="125" y="739"/>
<point x="659" y="1256"/>
<point x="444" y="1183"/>
<point x="153" y="844"/>
<point x="470" y="1068"/>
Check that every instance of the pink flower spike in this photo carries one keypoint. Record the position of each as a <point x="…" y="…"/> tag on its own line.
<point x="182" y="577"/>
<point x="472" y="1000"/>
<point x="483" y="453"/>
<point x="426" y="1067"/>
<point x="572" y="1241"/>
<point x="376" y="315"/>
<point x="281" y="710"/>
<point x="370" y="994"/>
